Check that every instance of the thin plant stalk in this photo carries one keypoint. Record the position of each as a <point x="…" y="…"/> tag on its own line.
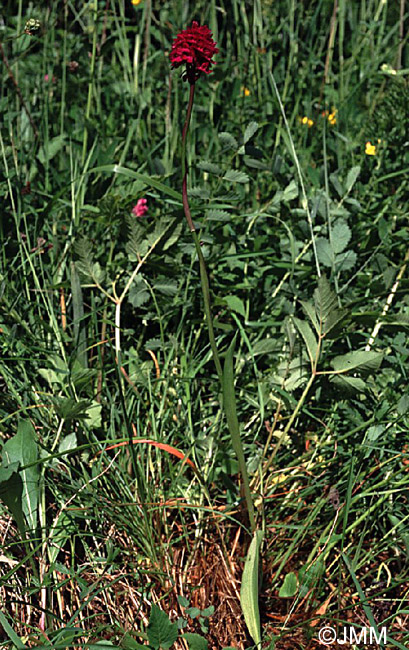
<point x="229" y="408"/>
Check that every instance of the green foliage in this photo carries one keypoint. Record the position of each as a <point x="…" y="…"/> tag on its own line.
<point x="317" y="386"/>
<point x="161" y="632"/>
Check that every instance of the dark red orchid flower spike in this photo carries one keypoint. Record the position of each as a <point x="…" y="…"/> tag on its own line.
<point x="195" y="47"/>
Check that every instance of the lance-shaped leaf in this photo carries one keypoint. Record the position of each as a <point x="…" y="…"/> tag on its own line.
<point x="249" y="588"/>
<point x="23" y="449"/>
<point x="361" y="361"/>
<point x="309" y="339"/>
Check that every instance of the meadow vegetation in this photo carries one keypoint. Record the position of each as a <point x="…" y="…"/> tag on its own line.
<point x="124" y="507"/>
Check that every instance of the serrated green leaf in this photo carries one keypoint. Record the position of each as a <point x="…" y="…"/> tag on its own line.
<point x="352" y="177"/>
<point x="325" y="300"/>
<point x="250" y="131"/>
<point x="228" y="140"/>
<point x="173" y="234"/>
<point x="236" y="176"/>
<point x="264" y="346"/>
<point x="309" y="339"/>
<point x="249" y="588"/>
<point x="199" y="193"/>
<point x="161" y="632"/>
<point x="309" y="311"/>
<point x="363" y="361"/>
<point x="345" y="261"/>
<point x="340" y="236"/>
<point x="218" y="215"/>
<point x="209" y="167"/>
<point x="325" y="252"/>
<point x="289" y="587"/>
<point x="167" y="288"/>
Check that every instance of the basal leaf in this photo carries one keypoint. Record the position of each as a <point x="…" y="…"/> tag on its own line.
<point x="249" y="588"/>
<point x="23" y="449"/>
<point x="289" y="587"/>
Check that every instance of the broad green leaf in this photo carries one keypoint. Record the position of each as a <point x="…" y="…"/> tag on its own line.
<point x="250" y="131"/>
<point x="352" y="177"/>
<point x="345" y="261"/>
<point x="249" y="588"/>
<point x="68" y="442"/>
<point x="94" y="415"/>
<point x="364" y="361"/>
<point x="161" y="632"/>
<point x="236" y="176"/>
<point x="290" y="192"/>
<point x="264" y="346"/>
<point x="23" y="449"/>
<point x="340" y="236"/>
<point x="11" y="492"/>
<point x="235" y="304"/>
<point x="325" y="300"/>
<point x="289" y="587"/>
<point x="195" y="641"/>
<point x="325" y="252"/>
<point x="350" y="385"/>
<point x="49" y="150"/>
<point x="309" y="339"/>
<point x="228" y="140"/>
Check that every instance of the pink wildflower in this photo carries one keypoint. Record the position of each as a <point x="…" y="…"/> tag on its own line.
<point x="141" y="208"/>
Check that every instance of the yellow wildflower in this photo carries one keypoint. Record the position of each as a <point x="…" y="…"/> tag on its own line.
<point x="331" y="117"/>
<point x="136" y="2"/>
<point x="245" y="91"/>
<point x="370" y="149"/>
<point x="306" y="121"/>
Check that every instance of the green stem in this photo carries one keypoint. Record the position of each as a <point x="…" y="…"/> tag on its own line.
<point x="202" y="265"/>
<point x="226" y="378"/>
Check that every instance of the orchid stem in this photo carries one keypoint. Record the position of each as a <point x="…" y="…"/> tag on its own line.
<point x="202" y="265"/>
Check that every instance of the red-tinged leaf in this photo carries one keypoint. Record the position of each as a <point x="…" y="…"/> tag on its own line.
<point x="159" y="445"/>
